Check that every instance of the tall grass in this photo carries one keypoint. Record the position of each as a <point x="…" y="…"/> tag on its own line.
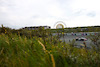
<point x="16" y="51"/>
<point x="20" y="51"/>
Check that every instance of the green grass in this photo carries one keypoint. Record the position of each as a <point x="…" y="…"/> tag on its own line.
<point x="20" y="51"/>
<point x="16" y="51"/>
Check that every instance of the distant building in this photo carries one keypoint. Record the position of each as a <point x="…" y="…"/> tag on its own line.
<point x="37" y="27"/>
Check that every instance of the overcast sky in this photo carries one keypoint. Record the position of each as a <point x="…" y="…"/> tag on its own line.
<point x="21" y="13"/>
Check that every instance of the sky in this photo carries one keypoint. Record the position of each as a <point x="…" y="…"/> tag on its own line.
<point x="24" y="13"/>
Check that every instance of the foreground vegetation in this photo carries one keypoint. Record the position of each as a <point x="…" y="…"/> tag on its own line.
<point x="21" y="50"/>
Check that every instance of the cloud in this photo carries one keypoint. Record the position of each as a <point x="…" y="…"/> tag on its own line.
<point x="91" y="14"/>
<point x="20" y="13"/>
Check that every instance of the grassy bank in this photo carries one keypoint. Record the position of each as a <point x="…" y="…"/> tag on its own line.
<point x="20" y="51"/>
<point x="16" y="51"/>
